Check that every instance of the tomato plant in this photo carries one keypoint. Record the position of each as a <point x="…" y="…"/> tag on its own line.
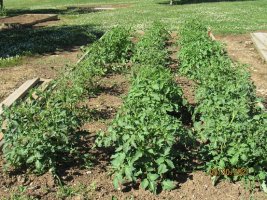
<point x="144" y="133"/>
<point x="41" y="134"/>
<point x="151" y="47"/>
<point x="226" y="119"/>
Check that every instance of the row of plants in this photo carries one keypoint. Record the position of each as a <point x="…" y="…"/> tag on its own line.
<point x="40" y="135"/>
<point x="143" y="132"/>
<point x="231" y="127"/>
<point x="151" y="49"/>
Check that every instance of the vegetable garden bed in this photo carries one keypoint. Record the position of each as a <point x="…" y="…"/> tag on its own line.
<point x="157" y="135"/>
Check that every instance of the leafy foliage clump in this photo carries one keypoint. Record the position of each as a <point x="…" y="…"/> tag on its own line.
<point x="39" y="135"/>
<point x="113" y="49"/>
<point x="150" y="50"/>
<point x="227" y="120"/>
<point x="143" y="133"/>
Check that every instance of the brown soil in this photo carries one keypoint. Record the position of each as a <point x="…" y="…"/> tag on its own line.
<point x="45" y="66"/>
<point x="187" y="85"/>
<point x="241" y="49"/>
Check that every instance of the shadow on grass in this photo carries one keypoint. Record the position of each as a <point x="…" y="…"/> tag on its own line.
<point x="64" y="11"/>
<point x="46" y="40"/>
<point x="181" y="2"/>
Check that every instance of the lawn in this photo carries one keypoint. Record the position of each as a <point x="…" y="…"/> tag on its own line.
<point x="224" y="17"/>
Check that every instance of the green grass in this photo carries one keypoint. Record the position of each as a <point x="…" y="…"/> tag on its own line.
<point x="224" y="17"/>
<point x="232" y="17"/>
<point x="10" y="61"/>
<point x="17" y="42"/>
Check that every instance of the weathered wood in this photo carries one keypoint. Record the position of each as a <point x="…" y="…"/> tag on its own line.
<point x="2" y="135"/>
<point x="104" y="8"/>
<point x="43" y="85"/>
<point x="83" y="56"/>
<point x="211" y="35"/>
<point x="260" y="42"/>
<point x="18" y="93"/>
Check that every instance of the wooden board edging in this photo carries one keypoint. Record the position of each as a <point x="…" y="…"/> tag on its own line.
<point x="260" y="42"/>
<point x="18" y="93"/>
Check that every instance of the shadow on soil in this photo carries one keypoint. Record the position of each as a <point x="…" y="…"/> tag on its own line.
<point x="67" y="11"/>
<point x="181" y="2"/>
<point x="46" y="40"/>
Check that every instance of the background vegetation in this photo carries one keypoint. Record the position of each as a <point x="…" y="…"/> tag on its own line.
<point x="222" y="16"/>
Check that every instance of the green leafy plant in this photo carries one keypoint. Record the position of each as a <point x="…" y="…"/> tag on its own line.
<point x="3" y="11"/>
<point x="227" y="120"/>
<point x="113" y="50"/>
<point x="150" y="50"/>
<point x="41" y="134"/>
<point x="144" y="133"/>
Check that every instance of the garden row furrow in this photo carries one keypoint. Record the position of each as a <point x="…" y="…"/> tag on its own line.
<point x="143" y="133"/>
<point x="39" y="135"/>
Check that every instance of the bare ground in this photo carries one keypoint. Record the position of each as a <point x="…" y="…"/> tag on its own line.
<point x="43" y="66"/>
<point x="241" y="49"/>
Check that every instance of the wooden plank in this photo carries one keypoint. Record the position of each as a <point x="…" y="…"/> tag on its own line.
<point x="87" y="52"/>
<point x="18" y="93"/>
<point x="1" y="134"/>
<point x="83" y="56"/>
<point x="260" y="42"/>
<point x="1" y="143"/>
<point x="44" y="84"/>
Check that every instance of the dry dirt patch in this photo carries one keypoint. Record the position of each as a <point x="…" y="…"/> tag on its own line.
<point x="241" y="49"/>
<point x="44" y="66"/>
